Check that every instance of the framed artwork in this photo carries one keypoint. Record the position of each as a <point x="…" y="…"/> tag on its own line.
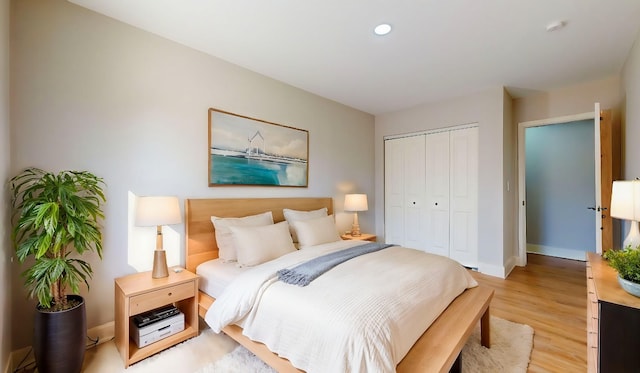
<point x="249" y="151"/>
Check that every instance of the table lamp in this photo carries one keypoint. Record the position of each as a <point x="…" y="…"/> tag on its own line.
<point x="355" y="203"/>
<point x="625" y="204"/>
<point x="158" y="211"/>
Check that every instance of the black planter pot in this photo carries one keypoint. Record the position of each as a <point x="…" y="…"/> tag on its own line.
<point x="60" y="339"/>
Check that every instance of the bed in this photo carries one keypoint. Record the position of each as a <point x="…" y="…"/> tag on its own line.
<point x="436" y="350"/>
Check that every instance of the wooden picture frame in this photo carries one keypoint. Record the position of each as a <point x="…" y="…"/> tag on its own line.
<point x="249" y="151"/>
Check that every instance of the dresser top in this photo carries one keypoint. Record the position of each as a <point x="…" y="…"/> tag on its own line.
<point x="605" y="279"/>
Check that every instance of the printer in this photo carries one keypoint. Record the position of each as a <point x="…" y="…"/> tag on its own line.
<point x="154" y="325"/>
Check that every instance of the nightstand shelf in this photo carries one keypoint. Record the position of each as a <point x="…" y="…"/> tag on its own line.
<point x="138" y="293"/>
<point x="362" y="237"/>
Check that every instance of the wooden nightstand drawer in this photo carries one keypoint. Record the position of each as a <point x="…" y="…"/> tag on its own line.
<point x="157" y="298"/>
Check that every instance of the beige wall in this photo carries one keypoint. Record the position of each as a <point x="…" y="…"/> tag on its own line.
<point x="5" y="246"/>
<point x="486" y="109"/>
<point x="570" y="100"/>
<point x="96" y="94"/>
<point x="631" y="124"/>
<point x="510" y="164"/>
<point x="631" y="117"/>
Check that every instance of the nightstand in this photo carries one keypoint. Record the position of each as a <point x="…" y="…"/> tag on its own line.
<point x="138" y="293"/>
<point x="362" y="237"/>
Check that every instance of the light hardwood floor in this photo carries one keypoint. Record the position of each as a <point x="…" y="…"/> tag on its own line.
<point x="550" y="295"/>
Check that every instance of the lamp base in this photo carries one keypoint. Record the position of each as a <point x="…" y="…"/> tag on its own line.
<point x="633" y="238"/>
<point x="355" y="227"/>
<point x="160" y="269"/>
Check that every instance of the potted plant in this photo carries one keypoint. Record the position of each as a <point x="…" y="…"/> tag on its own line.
<point x="56" y="220"/>
<point x="627" y="263"/>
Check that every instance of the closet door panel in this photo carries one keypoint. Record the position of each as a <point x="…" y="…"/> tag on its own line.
<point x="394" y="192"/>
<point x="462" y="249"/>
<point x="464" y="196"/>
<point x="414" y="176"/>
<point x="437" y="193"/>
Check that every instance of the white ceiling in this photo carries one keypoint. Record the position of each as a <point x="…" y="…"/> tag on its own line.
<point x="438" y="49"/>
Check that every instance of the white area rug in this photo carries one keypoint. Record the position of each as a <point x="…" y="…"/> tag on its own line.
<point x="510" y="351"/>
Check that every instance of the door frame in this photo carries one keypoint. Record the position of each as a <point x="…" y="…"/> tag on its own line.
<point x="522" y="214"/>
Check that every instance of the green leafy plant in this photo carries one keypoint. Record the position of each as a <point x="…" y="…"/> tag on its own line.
<point x="626" y="262"/>
<point x="54" y="216"/>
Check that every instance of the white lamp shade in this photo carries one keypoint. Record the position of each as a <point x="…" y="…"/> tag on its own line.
<point x="625" y="200"/>
<point x="355" y="202"/>
<point x="157" y="210"/>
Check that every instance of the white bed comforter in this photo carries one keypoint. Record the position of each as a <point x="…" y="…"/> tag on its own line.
<point x="361" y="316"/>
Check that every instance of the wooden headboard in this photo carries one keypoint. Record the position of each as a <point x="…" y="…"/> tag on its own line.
<point x="200" y="238"/>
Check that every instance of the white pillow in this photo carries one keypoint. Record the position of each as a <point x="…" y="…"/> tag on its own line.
<point x="316" y="231"/>
<point x="256" y="245"/>
<point x="295" y="215"/>
<point x="223" y="235"/>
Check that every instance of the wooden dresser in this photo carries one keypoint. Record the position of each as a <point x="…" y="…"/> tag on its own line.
<point x="613" y="321"/>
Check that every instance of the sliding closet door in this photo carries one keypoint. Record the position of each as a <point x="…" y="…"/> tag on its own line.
<point x="463" y="166"/>
<point x="404" y="191"/>
<point x="437" y="193"/>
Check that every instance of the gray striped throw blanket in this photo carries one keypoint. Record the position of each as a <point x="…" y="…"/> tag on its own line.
<point x="306" y="272"/>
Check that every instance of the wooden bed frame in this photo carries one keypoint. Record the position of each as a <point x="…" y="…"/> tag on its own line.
<point x="437" y="350"/>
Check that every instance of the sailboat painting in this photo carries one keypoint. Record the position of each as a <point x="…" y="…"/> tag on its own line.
<point x="249" y="151"/>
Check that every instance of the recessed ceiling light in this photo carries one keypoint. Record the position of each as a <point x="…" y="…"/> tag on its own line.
<point x="382" y="29"/>
<point x="556" y="25"/>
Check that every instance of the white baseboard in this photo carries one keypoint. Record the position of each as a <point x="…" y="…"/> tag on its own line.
<point x="558" y="252"/>
<point x="101" y="333"/>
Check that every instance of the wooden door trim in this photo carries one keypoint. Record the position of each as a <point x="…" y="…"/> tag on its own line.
<point x="609" y="171"/>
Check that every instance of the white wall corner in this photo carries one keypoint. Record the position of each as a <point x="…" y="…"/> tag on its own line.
<point x="520" y="262"/>
<point x="492" y="270"/>
<point x="512" y="262"/>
